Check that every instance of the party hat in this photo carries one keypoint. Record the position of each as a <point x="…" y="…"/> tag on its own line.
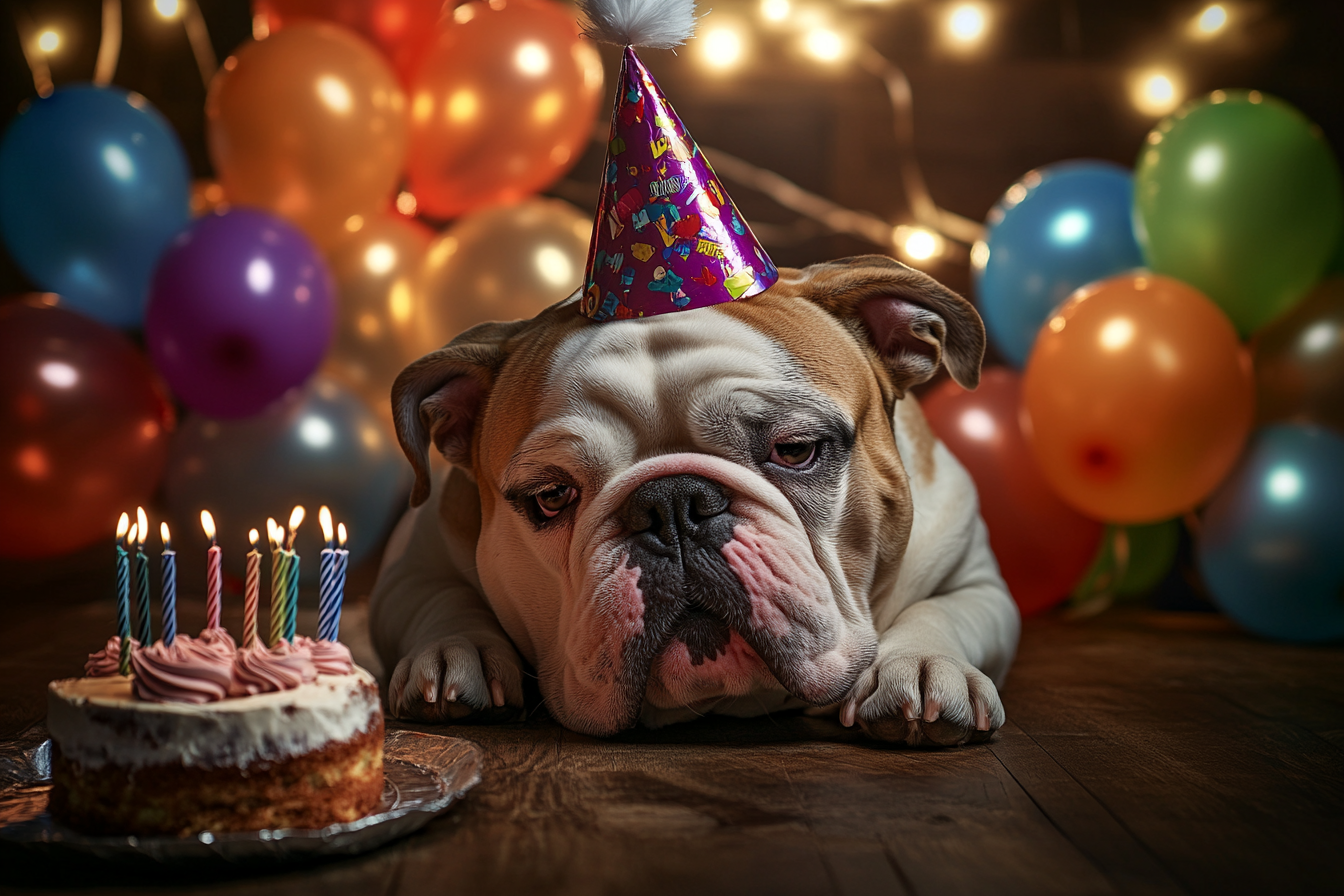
<point x="667" y="237"/>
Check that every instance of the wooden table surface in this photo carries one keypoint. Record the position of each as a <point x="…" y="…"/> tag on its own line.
<point x="1144" y="753"/>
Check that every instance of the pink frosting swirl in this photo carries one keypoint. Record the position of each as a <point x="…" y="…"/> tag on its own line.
<point x="108" y="660"/>
<point x="259" y="670"/>
<point x="330" y="657"/>
<point x="190" y="671"/>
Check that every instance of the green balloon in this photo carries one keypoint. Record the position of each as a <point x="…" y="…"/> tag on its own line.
<point x="1152" y="550"/>
<point x="1238" y="195"/>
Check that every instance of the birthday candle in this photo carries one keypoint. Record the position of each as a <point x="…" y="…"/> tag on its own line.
<point x="332" y="627"/>
<point x="251" y="592"/>
<point x="292" y="576"/>
<point x="169" y="566"/>
<point x="142" y="577"/>
<point x="214" y="580"/>
<point x="124" y="595"/>
<point x="327" y="606"/>
<point x="278" y="590"/>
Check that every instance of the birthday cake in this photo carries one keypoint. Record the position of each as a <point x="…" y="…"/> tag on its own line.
<point x="204" y="736"/>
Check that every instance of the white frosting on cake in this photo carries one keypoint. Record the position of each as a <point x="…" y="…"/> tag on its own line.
<point x="96" y="721"/>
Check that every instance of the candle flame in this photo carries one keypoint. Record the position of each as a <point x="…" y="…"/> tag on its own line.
<point x="142" y="522"/>
<point x="340" y="534"/>
<point x="130" y="536"/>
<point x="324" y="517"/>
<point x="123" y="526"/>
<point x="295" y="518"/>
<point x="163" y="533"/>
<point x="271" y="528"/>
<point x="208" y="524"/>
<point x="252" y="536"/>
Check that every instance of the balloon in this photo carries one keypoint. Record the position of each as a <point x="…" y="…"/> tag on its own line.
<point x="1058" y="228"/>
<point x="1239" y="196"/>
<point x="1269" y="547"/>
<point x="377" y="271"/>
<point x="1151" y="550"/>
<point x="319" y="446"/>
<point x="93" y="184"/>
<point x="402" y="29"/>
<point x="240" y="310"/>
<point x="502" y="264"/>
<point x="1136" y="399"/>
<point x="83" y="430"/>
<point x="1042" y="545"/>
<point x="1299" y="361"/>
<point x="504" y="103"/>
<point x="310" y="124"/>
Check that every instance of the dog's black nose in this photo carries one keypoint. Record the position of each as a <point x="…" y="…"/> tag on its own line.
<point x="664" y="512"/>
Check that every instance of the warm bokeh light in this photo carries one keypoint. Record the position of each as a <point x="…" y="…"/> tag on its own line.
<point x="380" y="258"/>
<point x="406" y="203"/>
<point x="1156" y="93"/>
<point x="169" y="9"/>
<point x="967" y="24"/>
<point x="532" y="59"/>
<point x="825" y="45"/>
<point x="1211" y="21"/>
<point x="918" y="243"/>
<point x="721" y="48"/>
<point x="49" y="41"/>
<point x="775" y="10"/>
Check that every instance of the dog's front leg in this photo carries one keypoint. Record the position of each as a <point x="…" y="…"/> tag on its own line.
<point x="450" y="658"/>
<point x="933" y="681"/>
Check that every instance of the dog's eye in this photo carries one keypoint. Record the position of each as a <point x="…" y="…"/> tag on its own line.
<point x="555" y="499"/>
<point x="794" y="455"/>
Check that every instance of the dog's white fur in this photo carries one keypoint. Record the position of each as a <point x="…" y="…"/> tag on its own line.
<point x="467" y="586"/>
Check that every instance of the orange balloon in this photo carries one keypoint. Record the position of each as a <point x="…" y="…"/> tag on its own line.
<point x="1137" y="398"/>
<point x="84" y="427"/>
<point x="503" y="104"/>
<point x="402" y="29"/>
<point x="310" y="124"/>
<point x="377" y="272"/>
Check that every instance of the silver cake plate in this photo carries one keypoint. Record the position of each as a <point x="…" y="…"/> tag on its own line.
<point x="424" y="773"/>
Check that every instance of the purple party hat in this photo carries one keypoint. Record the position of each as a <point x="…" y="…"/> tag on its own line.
<point x="667" y="236"/>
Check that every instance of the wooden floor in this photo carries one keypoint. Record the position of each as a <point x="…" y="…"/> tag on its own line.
<point x="1144" y="753"/>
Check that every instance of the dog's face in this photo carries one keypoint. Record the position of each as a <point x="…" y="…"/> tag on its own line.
<point x="693" y="506"/>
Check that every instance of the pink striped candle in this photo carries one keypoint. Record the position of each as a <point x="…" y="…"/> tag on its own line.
<point x="214" y="578"/>
<point x="252" y="592"/>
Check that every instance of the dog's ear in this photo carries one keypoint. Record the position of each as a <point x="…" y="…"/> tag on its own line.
<point x="912" y="321"/>
<point x="440" y="397"/>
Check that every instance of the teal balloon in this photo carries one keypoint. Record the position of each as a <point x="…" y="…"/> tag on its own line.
<point x="93" y="185"/>
<point x="1271" y="541"/>
<point x="1239" y="195"/>
<point x="1058" y="228"/>
<point x="321" y="445"/>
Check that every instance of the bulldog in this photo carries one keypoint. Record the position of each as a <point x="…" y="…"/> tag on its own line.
<point x="738" y="509"/>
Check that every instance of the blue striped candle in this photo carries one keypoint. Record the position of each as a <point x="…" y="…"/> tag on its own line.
<point x="142" y="595"/>
<point x="168" y="562"/>
<point x="292" y="598"/>
<point x="329" y="603"/>
<point x="124" y="608"/>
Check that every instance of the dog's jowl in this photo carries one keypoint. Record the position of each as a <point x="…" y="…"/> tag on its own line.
<point x="736" y="510"/>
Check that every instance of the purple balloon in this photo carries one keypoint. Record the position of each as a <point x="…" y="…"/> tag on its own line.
<point x="240" y="310"/>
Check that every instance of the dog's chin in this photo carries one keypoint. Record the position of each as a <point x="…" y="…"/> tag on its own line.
<point x="694" y="672"/>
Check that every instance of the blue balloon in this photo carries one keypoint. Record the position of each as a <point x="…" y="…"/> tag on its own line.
<point x="1058" y="228"/>
<point x="1271" y="545"/>
<point x="319" y="445"/>
<point x="93" y="184"/>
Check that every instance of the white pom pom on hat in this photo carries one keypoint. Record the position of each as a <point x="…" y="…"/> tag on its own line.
<point x="661" y="24"/>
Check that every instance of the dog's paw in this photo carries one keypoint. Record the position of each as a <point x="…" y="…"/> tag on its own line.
<point x="924" y="700"/>
<point x="453" y="680"/>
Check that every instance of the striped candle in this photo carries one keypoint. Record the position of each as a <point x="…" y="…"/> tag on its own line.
<point x="278" y="588"/>
<point x="124" y="596"/>
<point x="251" y="592"/>
<point x="214" y="579"/>
<point x="329" y="619"/>
<point x="168" y="560"/>
<point x="143" y="628"/>
<point x="292" y="598"/>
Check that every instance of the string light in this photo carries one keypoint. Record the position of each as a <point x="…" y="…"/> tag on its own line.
<point x="49" y="41"/>
<point x="918" y="243"/>
<point x="1209" y="22"/>
<point x="966" y="25"/>
<point x="775" y="10"/>
<point x="1156" y="93"/>
<point x="722" y="48"/>
<point x="168" y="9"/>
<point x="825" y="45"/>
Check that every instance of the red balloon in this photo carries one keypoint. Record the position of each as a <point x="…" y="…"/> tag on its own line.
<point x="402" y="29"/>
<point x="83" y="430"/>
<point x="502" y="106"/>
<point x="1043" y="546"/>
